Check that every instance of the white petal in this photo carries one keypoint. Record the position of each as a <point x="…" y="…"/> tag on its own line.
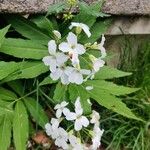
<point x="72" y="39"/>
<point x="69" y="115"/>
<point x="78" y="107"/>
<point x="57" y="34"/>
<point x="103" y="52"/>
<point x="48" y="128"/>
<point x="76" y="77"/>
<point x="68" y="70"/>
<point x="58" y="106"/>
<point x="52" y="47"/>
<point x="78" y="125"/>
<point x="80" y="49"/>
<point x="64" y="79"/>
<point x="64" y="104"/>
<point x="58" y="113"/>
<point x="52" y="64"/>
<point x="84" y="121"/>
<point x="98" y="64"/>
<point x="61" y="58"/>
<point x="86" y="29"/>
<point x="47" y="60"/>
<point x="75" y="59"/>
<point x="55" y="123"/>
<point x="74" y="24"/>
<point x="64" y="47"/>
<point x="56" y="75"/>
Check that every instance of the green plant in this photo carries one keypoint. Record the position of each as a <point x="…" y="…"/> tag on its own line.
<point x="25" y="80"/>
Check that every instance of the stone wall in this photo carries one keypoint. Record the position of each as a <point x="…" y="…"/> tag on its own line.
<point x="117" y="7"/>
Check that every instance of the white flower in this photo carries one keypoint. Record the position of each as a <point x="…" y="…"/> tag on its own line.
<point x="52" y="128"/>
<point x="97" y="64"/>
<point x="89" y="88"/>
<point x="75" y="143"/>
<point x="62" y="138"/>
<point x="96" y="140"/>
<point x="102" y="48"/>
<point x="83" y="27"/>
<point x="55" y="59"/>
<point x="57" y="34"/>
<point x="76" y="75"/>
<point x="80" y="120"/>
<point x="71" y="45"/>
<point x="60" y="108"/>
<point x="62" y="73"/>
<point x="95" y="117"/>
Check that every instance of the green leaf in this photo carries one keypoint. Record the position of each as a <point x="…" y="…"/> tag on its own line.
<point x="7" y="68"/>
<point x="3" y="33"/>
<point x="46" y="81"/>
<point x="24" y="48"/>
<point x="111" y="102"/>
<point x="56" y="8"/>
<point x="4" y="109"/>
<point x="78" y="91"/>
<point x="107" y="72"/>
<point x="20" y="126"/>
<point x="7" y="94"/>
<point x="59" y="92"/>
<point x="17" y="87"/>
<point x="27" y="28"/>
<point x="36" y="111"/>
<point x="44" y="23"/>
<point x="27" y="70"/>
<point x="110" y="87"/>
<point x="5" y="131"/>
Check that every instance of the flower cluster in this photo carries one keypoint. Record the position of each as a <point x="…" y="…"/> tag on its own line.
<point x="70" y="139"/>
<point x="64" y="58"/>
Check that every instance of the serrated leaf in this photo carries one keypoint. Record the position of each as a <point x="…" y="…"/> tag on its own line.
<point x="59" y="92"/>
<point x="20" y="126"/>
<point x="36" y="111"/>
<point x="7" y="94"/>
<point x="27" y="70"/>
<point x="111" y="102"/>
<point x="110" y="87"/>
<point x="107" y="72"/>
<point x="27" y="28"/>
<point x="56" y="8"/>
<point x="78" y="91"/>
<point x="5" y="133"/>
<point x="4" y="109"/>
<point x="7" y="68"/>
<point x="43" y="23"/>
<point x="16" y="86"/>
<point x="46" y="81"/>
<point x="3" y="33"/>
<point x="24" y="48"/>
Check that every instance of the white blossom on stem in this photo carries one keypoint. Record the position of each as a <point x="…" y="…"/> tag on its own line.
<point x="76" y="75"/>
<point x="62" y="73"/>
<point x="60" y="108"/>
<point x="75" y="143"/>
<point x="95" y="117"/>
<point x="102" y="48"/>
<point x="55" y="58"/>
<point x="62" y="138"/>
<point x="80" y="120"/>
<point x="81" y="27"/>
<point x="96" y="140"/>
<point x="71" y="46"/>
